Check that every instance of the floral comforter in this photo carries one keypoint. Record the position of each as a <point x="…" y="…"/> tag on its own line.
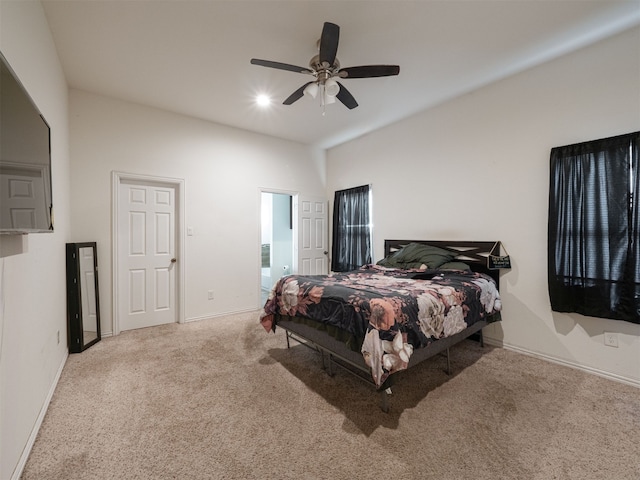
<point x="390" y="311"/>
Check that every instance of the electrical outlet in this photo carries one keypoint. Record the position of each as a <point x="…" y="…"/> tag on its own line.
<point x="611" y="339"/>
<point x="210" y="294"/>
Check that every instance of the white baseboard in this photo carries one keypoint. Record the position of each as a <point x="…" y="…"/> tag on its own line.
<point x="216" y="315"/>
<point x="566" y="363"/>
<point x="36" y="427"/>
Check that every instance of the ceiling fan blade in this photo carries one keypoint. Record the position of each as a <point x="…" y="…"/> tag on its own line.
<point x="329" y="43"/>
<point x="280" y="66"/>
<point x="297" y="95"/>
<point x="345" y="97"/>
<point x="368" y="71"/>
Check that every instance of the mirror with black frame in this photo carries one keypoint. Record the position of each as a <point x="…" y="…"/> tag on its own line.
<point x="83" y="306"/>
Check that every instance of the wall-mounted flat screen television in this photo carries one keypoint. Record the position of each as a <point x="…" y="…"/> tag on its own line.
<point x="25" y="160"/>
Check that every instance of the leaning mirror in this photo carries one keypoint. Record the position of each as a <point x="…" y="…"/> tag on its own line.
<point x="83" y="307"/>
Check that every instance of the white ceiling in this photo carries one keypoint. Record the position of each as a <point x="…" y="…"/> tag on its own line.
<point x="192" y="57"/>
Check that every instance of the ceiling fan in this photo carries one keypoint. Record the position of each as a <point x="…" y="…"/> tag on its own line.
<point x="325" y="68"/>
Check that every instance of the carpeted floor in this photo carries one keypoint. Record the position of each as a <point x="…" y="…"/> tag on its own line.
<point x="222" y="399"/>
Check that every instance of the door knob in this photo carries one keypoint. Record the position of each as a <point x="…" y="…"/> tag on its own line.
<point x="173" y="260"/>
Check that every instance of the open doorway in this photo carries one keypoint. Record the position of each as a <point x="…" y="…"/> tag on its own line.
<point x="277" y="240"/>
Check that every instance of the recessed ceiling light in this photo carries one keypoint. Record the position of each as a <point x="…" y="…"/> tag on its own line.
<point x="263" y="100"/>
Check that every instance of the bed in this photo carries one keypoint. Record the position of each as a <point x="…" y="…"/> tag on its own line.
<point x="422" y="298"/>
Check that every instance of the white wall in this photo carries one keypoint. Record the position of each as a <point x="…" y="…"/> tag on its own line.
<point x="223" y="169"/>
<point x="477" y="168"/>
<point x="32" y="267"/>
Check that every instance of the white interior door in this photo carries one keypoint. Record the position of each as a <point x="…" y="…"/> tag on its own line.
<point x="313" y="236"/>
<point x="146" y="255"/>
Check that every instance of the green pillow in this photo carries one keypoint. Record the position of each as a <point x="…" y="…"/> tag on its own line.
<point x="414" y="255"/>
<point x="455" y="266"/>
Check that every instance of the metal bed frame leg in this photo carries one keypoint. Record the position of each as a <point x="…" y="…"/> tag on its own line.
<point x="384" y="399"/>
<point x="330" y="370"/>
<point x="481" y="338"/>
<point x="448" y="363"/>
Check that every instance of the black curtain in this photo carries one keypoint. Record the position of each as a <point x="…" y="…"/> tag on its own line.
<point x="594" y="263"/>
<point x="632" y="294"/>
<point x="351" y="246"/>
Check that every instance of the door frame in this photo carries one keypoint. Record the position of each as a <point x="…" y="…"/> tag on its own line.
<point x="117" y="178"/>
<point x="294" y="220"/>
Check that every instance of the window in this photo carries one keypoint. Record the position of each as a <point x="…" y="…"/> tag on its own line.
<point x="594" y="228"/>
<point x="351" y="245"/>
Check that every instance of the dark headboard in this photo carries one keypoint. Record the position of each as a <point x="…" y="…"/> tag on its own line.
<point x="472" y="253"/>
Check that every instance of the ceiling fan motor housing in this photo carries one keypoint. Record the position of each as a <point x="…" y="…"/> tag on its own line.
<point x="322" y="71"/>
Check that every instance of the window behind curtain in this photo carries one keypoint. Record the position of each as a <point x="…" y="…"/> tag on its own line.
<point x="351" y="245"/>
<point x="593" y="236"/>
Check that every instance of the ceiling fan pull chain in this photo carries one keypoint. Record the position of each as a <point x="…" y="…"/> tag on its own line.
<point x="323" y="98"/>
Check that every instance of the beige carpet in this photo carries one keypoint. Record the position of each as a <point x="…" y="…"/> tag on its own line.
<point x="222" y="399"/>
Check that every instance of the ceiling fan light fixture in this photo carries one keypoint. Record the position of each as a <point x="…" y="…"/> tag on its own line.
<point x="329" y="99"/>
<point x="311" y="90"/>
<point x="331" y="88"/>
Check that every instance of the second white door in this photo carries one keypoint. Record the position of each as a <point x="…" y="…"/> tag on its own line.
<point x="313" y="254"/>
